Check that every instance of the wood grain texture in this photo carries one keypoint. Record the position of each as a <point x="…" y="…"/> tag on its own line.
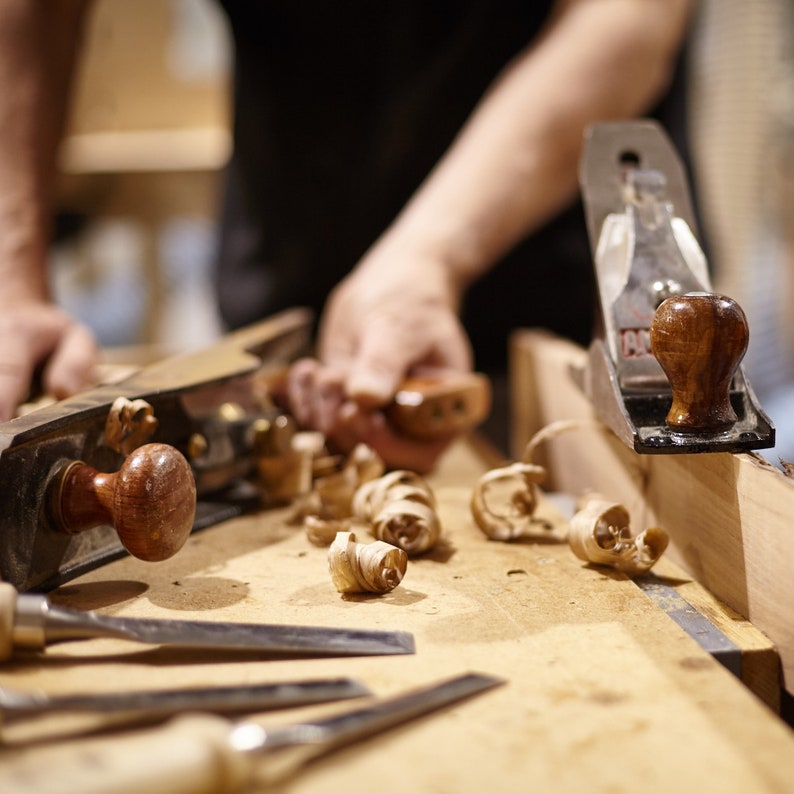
<point x="728" y="516"/>
<point x="604" y="692"/>
<point x="699" y="339"/>
<point x="150" y="501"/>
<point x="440" y="408"/>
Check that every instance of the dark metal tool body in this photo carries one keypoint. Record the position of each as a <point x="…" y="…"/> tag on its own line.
<point x="30" y="621"/>
<point x="643" y="237"/>
<point x="185" y="392"/>
<point x="72" y="500"/>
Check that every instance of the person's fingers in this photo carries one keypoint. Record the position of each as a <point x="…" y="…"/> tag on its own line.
<point x="371" y="428"/>
<point x="15" y="377"/>
<point x="329" y="396"/>
<point x="390" y="350"/>
<point x="28" y="337"/>
<point x="72" y="366"/>
<point x="344" y="434"/>
<point x="300" y="390"/>
<point x="17" y="363"/>
<point x="317" y="400"/>
<point x="315" y="394"/>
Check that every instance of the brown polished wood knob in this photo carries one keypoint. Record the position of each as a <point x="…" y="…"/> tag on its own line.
<point x="150" y="500"/>
<point x="431" y="409"/>
<point x="699" y="340"/>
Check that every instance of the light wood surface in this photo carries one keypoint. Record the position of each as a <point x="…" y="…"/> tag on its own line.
<point x="729" y="516"/>
<point x="604" y="692"/>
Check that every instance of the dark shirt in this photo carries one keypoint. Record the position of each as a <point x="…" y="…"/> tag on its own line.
<point x="341" y="109"/>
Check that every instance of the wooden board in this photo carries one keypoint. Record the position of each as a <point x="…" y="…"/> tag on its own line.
<point x="729" y="516"/>
<point x="603" y="693"/>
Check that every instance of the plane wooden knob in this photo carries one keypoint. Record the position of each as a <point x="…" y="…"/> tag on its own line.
<point x="425" y="408"/>
<point x="699" y="340"/>
<point x="150" y="500"/>
<point x="431" y="409"/>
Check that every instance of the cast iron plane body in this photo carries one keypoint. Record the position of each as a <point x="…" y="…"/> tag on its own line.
<point x="185" y="393"/>
<point x="643" y="238"/>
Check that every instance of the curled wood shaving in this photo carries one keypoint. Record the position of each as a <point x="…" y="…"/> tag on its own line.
<point x="336" y="490"/>
<point x="331" y="498"/>
<point x="600" y="534"/>
<point x="504" y="499"/>
<point x="322" y="531"/>
<point x="365" y="464"/>
<point x="557" y="428"/>
<point x="401" y="509"/>
<point x="376" y="567"/>
<point x="130" y="424"/>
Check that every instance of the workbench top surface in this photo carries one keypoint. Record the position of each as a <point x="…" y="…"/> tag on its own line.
<point x="603" y="692"/>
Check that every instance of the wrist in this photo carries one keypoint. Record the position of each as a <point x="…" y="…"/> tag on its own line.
<point x="421" y="262"/>
<point x="23" y="256"/>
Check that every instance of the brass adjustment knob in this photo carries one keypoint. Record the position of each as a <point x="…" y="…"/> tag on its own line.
<point x="150" y="500"/>
<point x="699" y="340"/>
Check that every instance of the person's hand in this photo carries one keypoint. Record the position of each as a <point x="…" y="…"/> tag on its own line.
<point x="391" y="317"/>
<point x="38" y="338"/>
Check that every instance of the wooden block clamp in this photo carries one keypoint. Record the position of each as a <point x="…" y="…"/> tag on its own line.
<point x="664" y="367"/>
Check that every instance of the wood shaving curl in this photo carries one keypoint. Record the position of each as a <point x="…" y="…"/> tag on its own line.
<point x="504" y="499"/>
<point x="322" y="531"/>
<point x="129" y="425"/>
<point x="600" y="534"/>
<point x="400" y="508"/>
<point x="375" y="567"/>
<point x="330" y="500"/>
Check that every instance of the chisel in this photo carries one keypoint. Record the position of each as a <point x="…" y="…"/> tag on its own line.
<point x="31" y="622"/>
<point x="159" y="703"/>
<point x="205" y="754"/>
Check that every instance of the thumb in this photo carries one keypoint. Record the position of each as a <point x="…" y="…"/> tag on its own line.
<point x="72" y="364"/>
<point x="385" y="358"/>
<point x="376" y="372"/>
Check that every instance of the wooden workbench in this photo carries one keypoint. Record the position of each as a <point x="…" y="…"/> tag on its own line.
<point x="603" y="693"/>
<point x="728" y="515"/>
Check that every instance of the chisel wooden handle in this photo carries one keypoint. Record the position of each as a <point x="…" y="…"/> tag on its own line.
<point x="190" y="755"/>
<point x="150" y="500"/>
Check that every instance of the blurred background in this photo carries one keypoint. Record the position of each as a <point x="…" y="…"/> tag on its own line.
<point x="141" y="165"/>
<point x="149" y="136"/>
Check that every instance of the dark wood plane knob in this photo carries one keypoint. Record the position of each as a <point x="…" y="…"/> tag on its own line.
<point x="699" y="340"/>
<point x="150" y="500"/>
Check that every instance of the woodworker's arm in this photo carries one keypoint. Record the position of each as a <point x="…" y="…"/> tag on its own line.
<point x="38" y="44"/>
<point x="511" y="168"/>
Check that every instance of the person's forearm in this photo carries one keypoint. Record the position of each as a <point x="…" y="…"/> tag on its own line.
<point x="515" y="163"/>
<point x="38" y="40"/>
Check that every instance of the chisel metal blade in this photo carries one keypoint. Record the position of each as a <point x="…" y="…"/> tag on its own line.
<point x="279" y="752"/>
<point x="201" y="753"/>
<point x="323" y="735"/>
<point x="15" y="705"/>
<point x="31" y="622"/>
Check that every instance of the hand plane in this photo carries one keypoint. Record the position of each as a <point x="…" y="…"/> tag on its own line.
<point x="664" y="367"/>
<point x="85" y="481"/>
